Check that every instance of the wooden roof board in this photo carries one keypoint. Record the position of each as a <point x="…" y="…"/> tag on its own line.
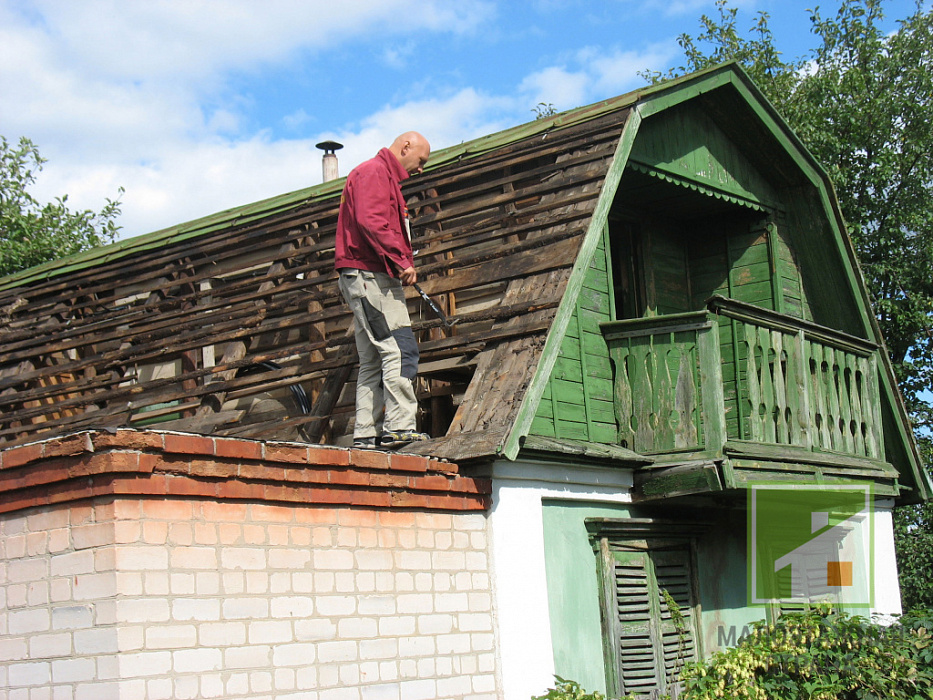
<point x="125" y="338"/>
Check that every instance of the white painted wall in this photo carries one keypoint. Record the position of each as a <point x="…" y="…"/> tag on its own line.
<point x="525" y="651"/>
<point x="887" y="591"/>
<point x="526" y="657"/>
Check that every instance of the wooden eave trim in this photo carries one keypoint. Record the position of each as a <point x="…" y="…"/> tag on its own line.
<point x="687" y="529"/>
<point x="591" y="453"/>
<point x="693" y="478"/>
<point x="704" y="188"/>
<point x="741" y="475"/>
<point x="749" y="452"/>
<point x="730" y="477"/>
<point x="130" y="463"/>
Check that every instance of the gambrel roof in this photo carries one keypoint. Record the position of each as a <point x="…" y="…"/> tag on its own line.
<point x="232" y="325"/>
<point x="498" y="223"/>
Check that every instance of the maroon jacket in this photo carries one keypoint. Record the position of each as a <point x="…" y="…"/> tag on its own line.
<point x="371" y="225"/>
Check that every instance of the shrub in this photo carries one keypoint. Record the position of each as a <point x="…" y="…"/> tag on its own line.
<point x="821" y="655"/>
<point x="571" y="690"/>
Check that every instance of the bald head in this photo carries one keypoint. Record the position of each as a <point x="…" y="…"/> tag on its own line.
<point x="412" y="150"/>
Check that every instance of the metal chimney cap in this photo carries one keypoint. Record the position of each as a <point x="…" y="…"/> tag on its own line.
<point x="329" y="146"/>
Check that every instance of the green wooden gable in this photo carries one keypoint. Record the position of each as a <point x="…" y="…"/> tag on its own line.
<point x="683" y="145"/>
<point x="716" y="315"/>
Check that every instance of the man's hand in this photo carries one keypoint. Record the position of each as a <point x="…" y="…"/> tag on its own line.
<point x="408" y="276"/>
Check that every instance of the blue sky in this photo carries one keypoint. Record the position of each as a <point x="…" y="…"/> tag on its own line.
<point x="194" y="106"/>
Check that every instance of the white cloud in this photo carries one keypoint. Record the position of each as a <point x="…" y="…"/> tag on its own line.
<point x="594" y="74"/>
<point x="138" y="94"/>
<point x="679" y="8"/>
<point x="617" y="72"/>
<point x="397" y="56"/>
<point x="296" y="119"/>
<point x="192" y="40"/>
<point x="444" y="121"/>
<point x="119" y="92"/>
<point x="187" y="179"/>
<point x="556" y="86"/>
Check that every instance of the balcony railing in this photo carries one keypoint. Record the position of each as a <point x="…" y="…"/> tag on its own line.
<point x="697" y="381"/>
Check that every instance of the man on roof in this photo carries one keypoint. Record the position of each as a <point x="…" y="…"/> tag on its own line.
<point x="374" y="259"/>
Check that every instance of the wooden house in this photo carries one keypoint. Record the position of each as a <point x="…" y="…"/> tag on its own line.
<point x="654" y="304"/>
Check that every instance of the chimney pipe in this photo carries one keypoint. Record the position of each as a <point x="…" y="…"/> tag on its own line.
<point x="330" y="159"/>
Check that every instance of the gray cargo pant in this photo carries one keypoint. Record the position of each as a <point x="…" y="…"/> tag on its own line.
<point x="388" y="353"/>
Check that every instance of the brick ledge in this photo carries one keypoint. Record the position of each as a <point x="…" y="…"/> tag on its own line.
<point x="90" y="464"/>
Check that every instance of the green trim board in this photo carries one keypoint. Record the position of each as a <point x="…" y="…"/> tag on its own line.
<point x="578" y="402"/>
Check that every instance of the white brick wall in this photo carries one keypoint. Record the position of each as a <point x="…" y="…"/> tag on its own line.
<point x="182" y="599"/>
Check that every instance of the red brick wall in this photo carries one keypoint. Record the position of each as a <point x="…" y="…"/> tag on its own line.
<point x="143" y="463"/>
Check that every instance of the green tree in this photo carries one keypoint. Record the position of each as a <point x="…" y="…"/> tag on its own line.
<point x="32" y="233"/>
<point x="862" y="102"/>
<point x="913" y="537"/>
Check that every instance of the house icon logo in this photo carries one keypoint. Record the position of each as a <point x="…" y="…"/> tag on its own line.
<point x="810" y="543"/>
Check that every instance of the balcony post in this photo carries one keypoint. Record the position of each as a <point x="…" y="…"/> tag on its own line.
<point x="803" y="418"/>
<point x="713" y="409"/>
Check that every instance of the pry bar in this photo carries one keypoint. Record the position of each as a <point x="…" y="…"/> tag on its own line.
<point x="434" y="307"/>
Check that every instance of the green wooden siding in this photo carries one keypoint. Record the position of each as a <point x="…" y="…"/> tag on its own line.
<point x="794" y="301"/>
<point x="577" y="402"/>
<point x="709" y="264"/>
<point x="751" y="261"/>
<point x="742" y="254"/>
<point x="685" y="143"/>
<point x="670" y="265"/>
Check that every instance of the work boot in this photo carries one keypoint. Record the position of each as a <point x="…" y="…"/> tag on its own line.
<point x="393" y="439"/>
<point x="365" y="443"/>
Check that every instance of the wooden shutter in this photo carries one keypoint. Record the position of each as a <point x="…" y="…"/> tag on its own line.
<point x="637" y="661"/>
<point x="672" y="574"/>
<point x="649" y="648"/>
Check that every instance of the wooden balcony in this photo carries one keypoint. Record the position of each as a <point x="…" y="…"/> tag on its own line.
<point x="764" y="389"/>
